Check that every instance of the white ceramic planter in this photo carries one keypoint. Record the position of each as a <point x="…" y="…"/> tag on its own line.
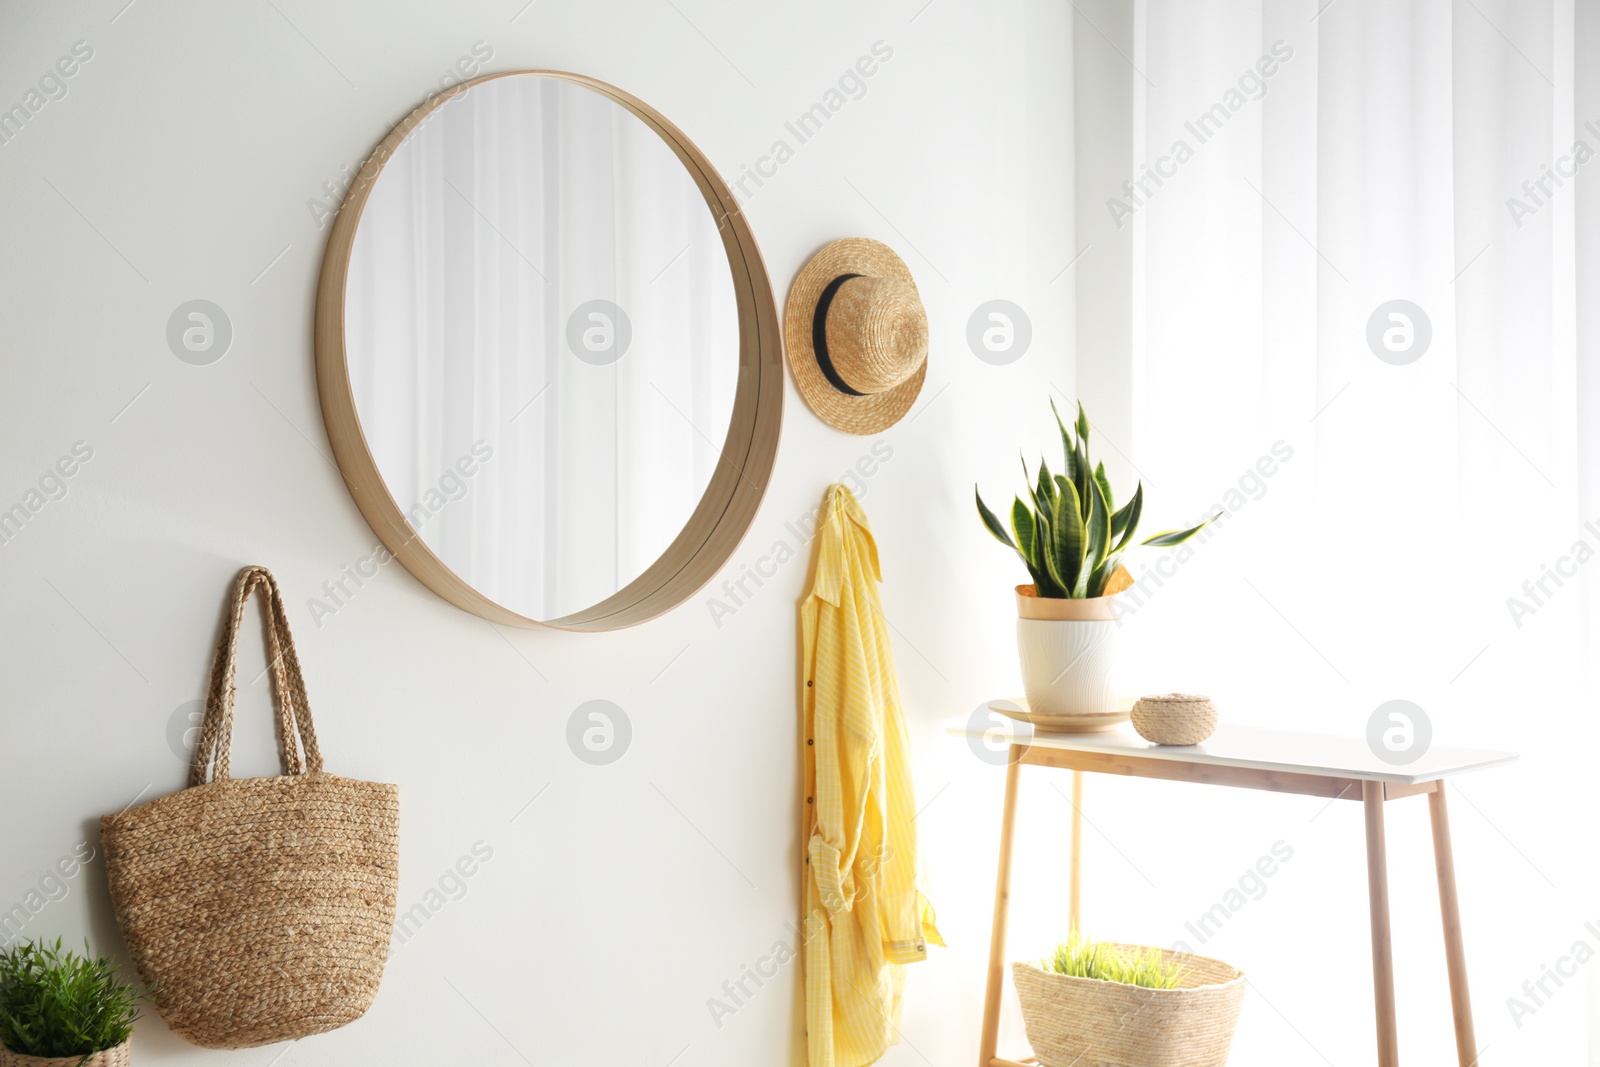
<point x="1068" y="650"/>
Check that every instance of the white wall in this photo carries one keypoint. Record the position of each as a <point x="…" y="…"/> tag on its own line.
<point x="178" y="166"/>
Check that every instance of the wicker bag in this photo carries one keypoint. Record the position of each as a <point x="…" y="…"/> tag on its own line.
<point x="259" y="908"/>
<point x="1087" y="1022"/>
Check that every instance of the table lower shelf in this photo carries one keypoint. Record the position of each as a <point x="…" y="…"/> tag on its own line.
<point x="1374" y="797"/>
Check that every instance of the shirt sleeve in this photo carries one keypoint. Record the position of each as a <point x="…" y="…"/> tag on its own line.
<point x="844" y="768"/>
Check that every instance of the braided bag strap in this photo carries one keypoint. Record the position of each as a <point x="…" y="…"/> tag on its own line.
<point x="293" y="709"/>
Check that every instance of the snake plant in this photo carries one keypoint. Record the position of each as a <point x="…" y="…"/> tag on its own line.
<point x="1070" y="534"/>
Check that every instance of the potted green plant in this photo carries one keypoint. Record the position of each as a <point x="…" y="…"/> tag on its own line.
<point x="1103" y="1004"/>
<point x="1071" y="536"/>
<point x="60" y="1009"/>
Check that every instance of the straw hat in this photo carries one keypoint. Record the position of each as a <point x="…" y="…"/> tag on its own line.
<point x="857" y="336"/>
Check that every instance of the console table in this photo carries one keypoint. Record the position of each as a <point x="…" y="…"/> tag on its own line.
<point x="1250" y="757"/>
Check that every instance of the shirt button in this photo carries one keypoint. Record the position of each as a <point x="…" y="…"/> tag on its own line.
<point x="808" y="683"/>
<point x="809" y="741"/>
<point x="808" y="800"/>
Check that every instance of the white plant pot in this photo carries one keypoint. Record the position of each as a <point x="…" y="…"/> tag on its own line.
<point x="1068" y="650"/>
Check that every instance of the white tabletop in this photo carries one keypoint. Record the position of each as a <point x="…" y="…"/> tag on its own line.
<point x="1258" y="747"/>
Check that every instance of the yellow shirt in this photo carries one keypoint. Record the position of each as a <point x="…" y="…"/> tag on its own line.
<point x="864" y="914"/>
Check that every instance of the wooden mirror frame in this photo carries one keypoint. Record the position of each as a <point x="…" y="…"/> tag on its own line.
<point x="729" y="504"/>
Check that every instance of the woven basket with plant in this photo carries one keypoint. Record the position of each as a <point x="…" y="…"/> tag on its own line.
<point x="1103" y="1004"/>
<point x="60" y="1009"/>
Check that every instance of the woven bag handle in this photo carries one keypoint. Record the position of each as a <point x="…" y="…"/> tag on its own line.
<point x="293" y="709"/>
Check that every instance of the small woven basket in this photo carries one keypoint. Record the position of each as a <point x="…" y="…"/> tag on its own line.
<point x="1174" y="718"/>
<point x="111" y="1057"/>
<point x="1088" y="1022"/>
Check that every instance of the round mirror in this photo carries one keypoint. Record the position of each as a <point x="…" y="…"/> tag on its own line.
<point x="548" y="353"/>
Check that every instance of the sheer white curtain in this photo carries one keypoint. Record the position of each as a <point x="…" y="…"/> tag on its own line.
<point x="476" y="332"/>
<point x="1396" y="525"/>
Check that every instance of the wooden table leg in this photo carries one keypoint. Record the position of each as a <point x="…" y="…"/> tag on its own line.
<point x="1450" y="912"/>
<point x="1074" y="878"/>
<point x="1002" y="901"/>
<point x="1382" y="950"/>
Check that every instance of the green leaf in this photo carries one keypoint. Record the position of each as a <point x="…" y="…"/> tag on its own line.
<point x="1067" y="539"/>
<point x="1056" y="587"/>
<point x="1105" y="484"/>
<point x="1069" y="448"/>
<point x="1042" y="582"/>
<point x="1045" y="583"/>
<point x="1126" y="521"/>
<point x="1102" y="574"/>
<point x="1023" y="526"/>
<point x="1045" y="497"/>
<point x="1097" y="541"/>
<point x="991" y="522"/>
<point x="1085" y="471"/>
<point x="1042" y="502"/>
<point x="1168" y="538"/>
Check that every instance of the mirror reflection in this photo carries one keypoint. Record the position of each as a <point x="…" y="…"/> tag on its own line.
<point x="542" y="341"/>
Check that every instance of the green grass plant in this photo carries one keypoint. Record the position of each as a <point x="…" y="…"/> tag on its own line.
<point x="1079" y="957"/>
<point x="58" y="1003"/>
